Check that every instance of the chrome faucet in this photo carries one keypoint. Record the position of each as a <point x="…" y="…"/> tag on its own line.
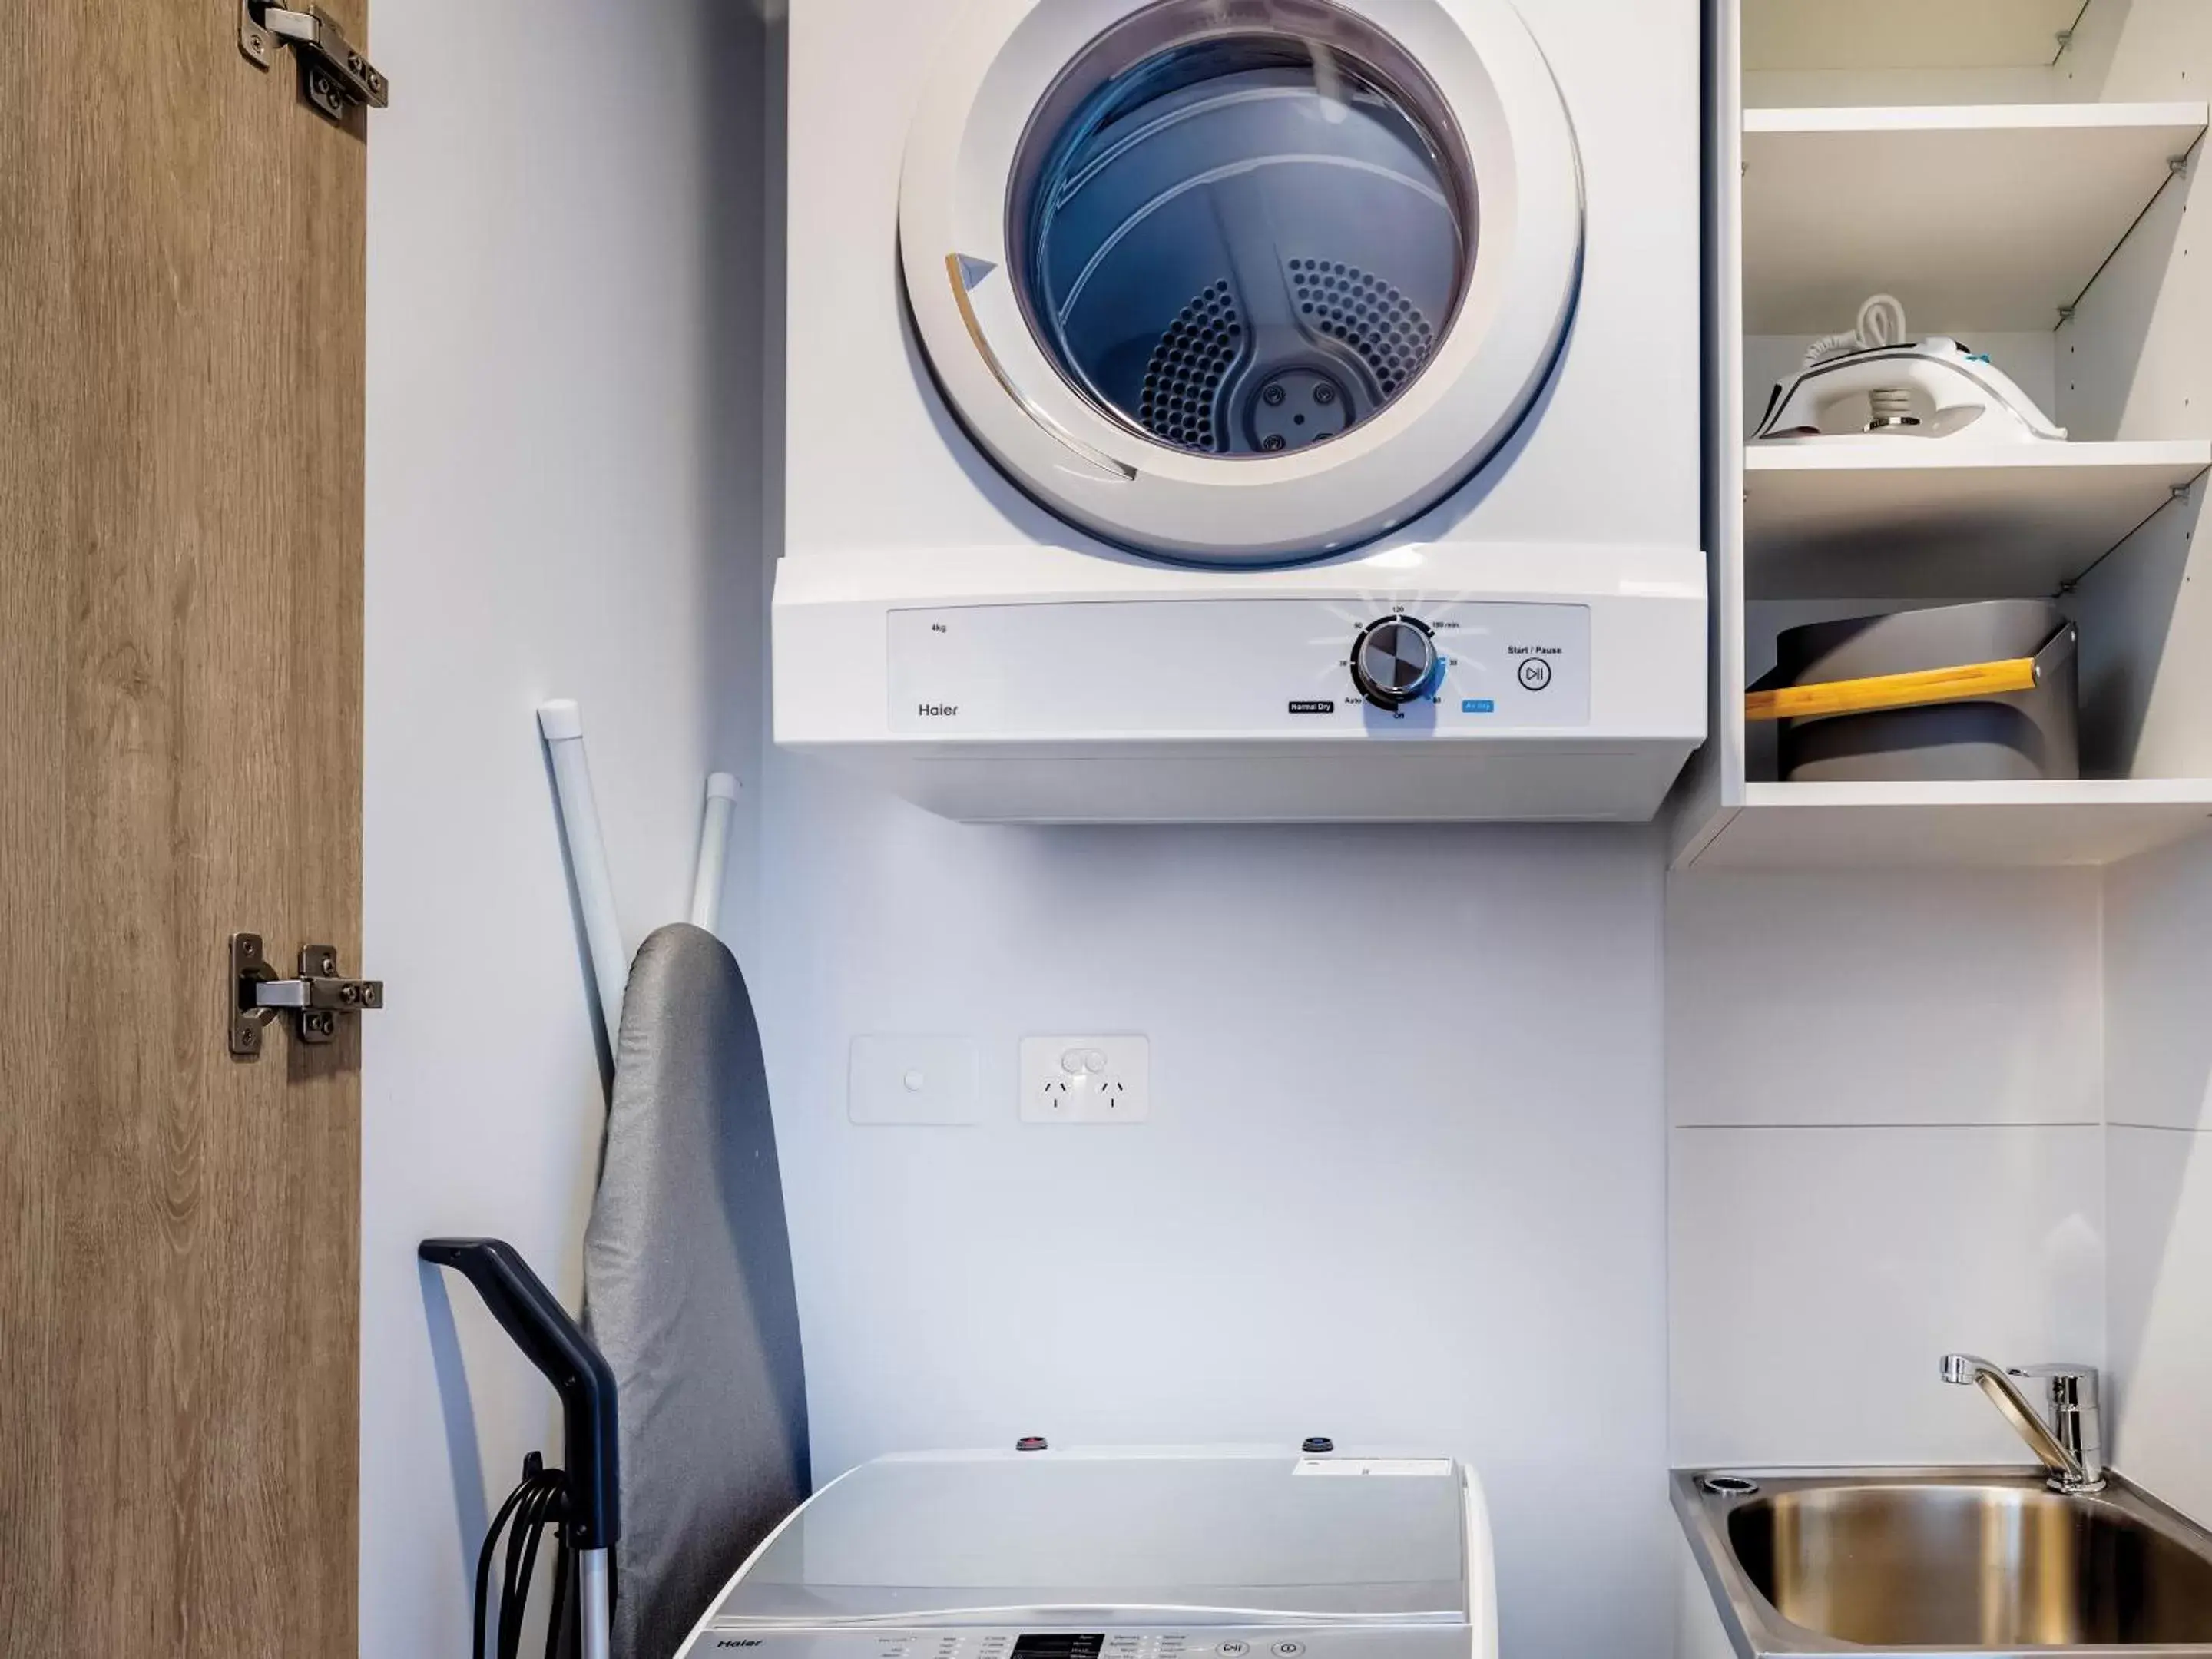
<point x="2071" y="1443"/>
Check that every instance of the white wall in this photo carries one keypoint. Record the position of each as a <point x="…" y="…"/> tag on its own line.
<point x="563" y="499"/>
<point x="1885" y="1096"/>
<point x="2158" y="976"/>
<point x="1402" y="1182"/>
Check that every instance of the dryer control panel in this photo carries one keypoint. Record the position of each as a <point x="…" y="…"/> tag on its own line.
<point x="1291" y="667"/>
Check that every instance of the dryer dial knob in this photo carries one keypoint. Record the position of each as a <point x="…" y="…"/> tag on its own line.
<point x="1394" y="662"/>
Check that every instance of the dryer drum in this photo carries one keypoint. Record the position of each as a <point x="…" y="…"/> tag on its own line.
<point x="1361" y="340"/>
<point x="2018" y="736"/>
<point x="1246" y="243"/>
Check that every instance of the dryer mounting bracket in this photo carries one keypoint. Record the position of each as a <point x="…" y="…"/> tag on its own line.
<point x="333" y="74"/>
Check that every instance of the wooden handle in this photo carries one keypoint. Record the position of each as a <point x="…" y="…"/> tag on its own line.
<point x="1926" y="685"/>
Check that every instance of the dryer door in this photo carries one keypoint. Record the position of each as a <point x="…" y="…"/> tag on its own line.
<point x="1241" y="282"/>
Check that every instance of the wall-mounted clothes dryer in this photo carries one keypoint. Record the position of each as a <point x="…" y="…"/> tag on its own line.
<point x="1240" y="284"/>
<point x="1245" y="409"/>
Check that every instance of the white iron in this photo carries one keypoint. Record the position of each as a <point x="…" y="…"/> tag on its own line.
<point x="1873" y="383"/>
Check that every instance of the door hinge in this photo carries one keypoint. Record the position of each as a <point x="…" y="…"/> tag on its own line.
<point x="332" y="72"/>
<point x="315" y="999"/>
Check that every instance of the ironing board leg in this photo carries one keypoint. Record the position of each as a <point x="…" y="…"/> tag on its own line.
<point x="595" y="1616"/>
<point x="562" y="728"/>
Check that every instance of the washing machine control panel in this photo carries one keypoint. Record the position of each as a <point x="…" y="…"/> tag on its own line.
<point x="1293" y="668"/>
<point x="1444" y="1639"/>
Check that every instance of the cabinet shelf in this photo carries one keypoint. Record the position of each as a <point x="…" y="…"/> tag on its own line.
<point x="1856" y="825"/>
<point x="1977" y="216"/>
<point x="1947" y="519"/>
<point x="1911" y="34"/>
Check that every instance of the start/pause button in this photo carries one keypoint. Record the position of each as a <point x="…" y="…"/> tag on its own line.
<point x="1535" y="673"/>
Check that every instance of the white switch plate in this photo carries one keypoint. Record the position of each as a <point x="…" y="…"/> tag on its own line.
<point x="1086" y="1079"/>
<point x="914" y="1079"/>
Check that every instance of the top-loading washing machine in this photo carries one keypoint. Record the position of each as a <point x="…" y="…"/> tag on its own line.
<point x="1198" y="1553"/>
<point x="1244" y="408"/>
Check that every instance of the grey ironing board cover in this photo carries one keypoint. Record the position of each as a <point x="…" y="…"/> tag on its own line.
<point x="688" y="1292"/>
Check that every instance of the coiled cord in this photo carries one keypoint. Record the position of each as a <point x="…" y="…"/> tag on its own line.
<point x="540" y="1501"/>
<point x="1882" y="323"/>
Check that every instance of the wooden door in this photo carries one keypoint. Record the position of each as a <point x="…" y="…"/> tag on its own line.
<point x="181" y="280"/>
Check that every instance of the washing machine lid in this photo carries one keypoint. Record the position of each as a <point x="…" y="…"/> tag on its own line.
<point x="1241" y="283"/>
<point x="1216" y="1537"/>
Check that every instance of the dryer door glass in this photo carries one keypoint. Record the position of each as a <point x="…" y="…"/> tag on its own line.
<point x="1241" y="241"/>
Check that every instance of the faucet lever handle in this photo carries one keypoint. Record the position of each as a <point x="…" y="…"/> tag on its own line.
<point x="2068" y="1387"/>
<point x="2058" y="1369"/>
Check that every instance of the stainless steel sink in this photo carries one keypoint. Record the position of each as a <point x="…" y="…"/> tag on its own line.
<point x="1904" y="1561"/>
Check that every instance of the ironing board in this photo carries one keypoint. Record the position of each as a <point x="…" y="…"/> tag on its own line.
<point x="688" y="1291"/>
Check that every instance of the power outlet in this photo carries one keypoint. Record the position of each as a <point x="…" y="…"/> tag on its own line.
<point x="1086" y="1079"/>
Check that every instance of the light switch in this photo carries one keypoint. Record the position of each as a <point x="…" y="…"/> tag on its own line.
<point x="914" y="1079"/>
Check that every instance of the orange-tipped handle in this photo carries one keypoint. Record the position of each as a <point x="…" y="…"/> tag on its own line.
<point x="1926" y="685"/>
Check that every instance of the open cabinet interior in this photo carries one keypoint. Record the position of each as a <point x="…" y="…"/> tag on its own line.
<point x="2018" y="175"/>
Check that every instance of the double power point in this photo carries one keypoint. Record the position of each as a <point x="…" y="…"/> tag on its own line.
<point x="1086" y="1079"/>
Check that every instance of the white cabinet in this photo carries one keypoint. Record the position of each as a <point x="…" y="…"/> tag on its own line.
<point x="2018" y="173"/>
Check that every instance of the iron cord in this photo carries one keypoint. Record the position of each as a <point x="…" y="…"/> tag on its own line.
<point x="1880" y="323"/>
<point x="539" y="1501"/>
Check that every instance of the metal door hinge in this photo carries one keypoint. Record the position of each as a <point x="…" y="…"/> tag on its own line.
<point x="315" y="999"/>
<point x="332" y="72"/>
